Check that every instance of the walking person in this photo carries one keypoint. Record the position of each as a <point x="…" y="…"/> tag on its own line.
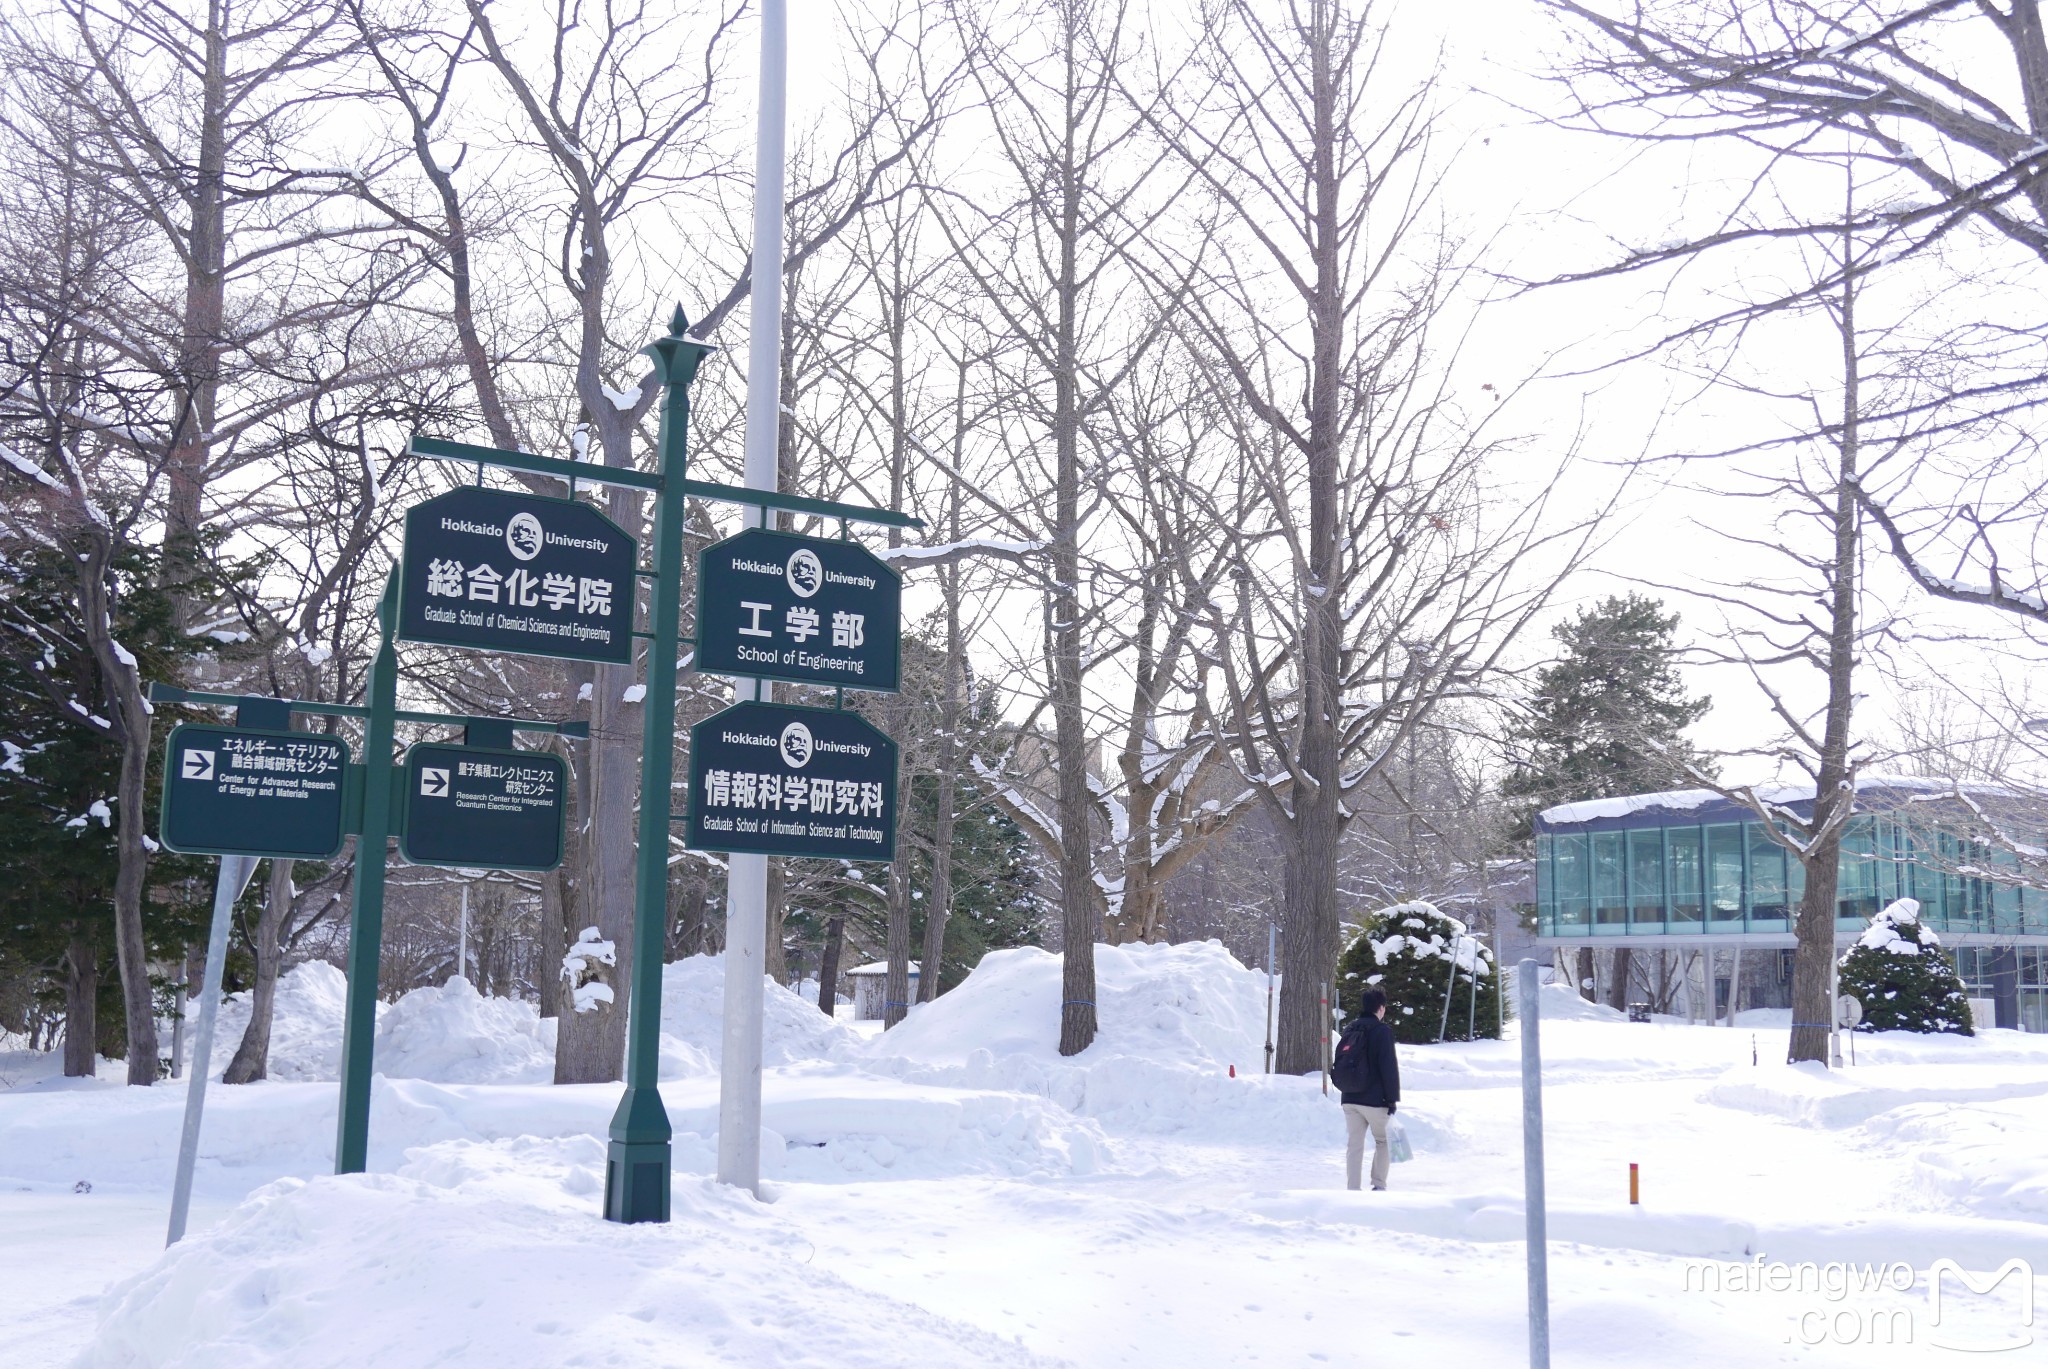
<point x="1369" y="1081"/>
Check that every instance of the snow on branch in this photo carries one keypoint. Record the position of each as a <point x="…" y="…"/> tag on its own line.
<point x="949" y="553"/>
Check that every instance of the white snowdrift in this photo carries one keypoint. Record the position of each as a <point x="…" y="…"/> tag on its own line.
<point x="693" y="1016"/>
<point x="493" y="1255"/>
<point x="447" y="1032"/>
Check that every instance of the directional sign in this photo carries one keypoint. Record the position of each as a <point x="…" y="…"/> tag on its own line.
<point x="499" y="571"/>
<point x="236" y="791"/>
<point x="785" y="781"/>
<point x="782" y="607"/>
<point x="483" y="810"/>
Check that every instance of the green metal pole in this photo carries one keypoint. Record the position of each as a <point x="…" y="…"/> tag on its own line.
<point x="637" y="1169"/>
<point x="366" y="918"/>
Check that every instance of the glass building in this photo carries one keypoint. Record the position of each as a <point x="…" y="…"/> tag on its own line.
<point x="1690" y="868"/>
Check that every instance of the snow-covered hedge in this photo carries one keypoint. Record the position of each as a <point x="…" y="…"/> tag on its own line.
<point x="1903" y="978"/>
<point x="1416" y="954"/>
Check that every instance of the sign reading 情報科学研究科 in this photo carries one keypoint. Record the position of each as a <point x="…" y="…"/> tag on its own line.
<point x="475" y="808"/>
<point x="239" y="791"/>
<point x="499" y="571"/>
<point x="773" y="605"/>
<point x="780" y="780"/>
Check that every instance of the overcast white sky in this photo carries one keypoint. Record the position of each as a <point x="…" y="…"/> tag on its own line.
<point x="1547" y="199"/>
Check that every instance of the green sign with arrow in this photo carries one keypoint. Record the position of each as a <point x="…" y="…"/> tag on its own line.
<point x="483" y="809"/>
<point x="240" y="791"/>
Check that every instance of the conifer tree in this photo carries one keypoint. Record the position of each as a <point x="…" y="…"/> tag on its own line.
<point x="1609" y="715"/>
<point x="1904" y="980"/>
<point x="1425" y="962"/>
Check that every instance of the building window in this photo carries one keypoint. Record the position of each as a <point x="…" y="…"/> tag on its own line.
<point x="1682" y="868"/>
<point x="1610" y="901"/>
<point x="1568" y="863"/>
<point x="1646" y="878"/>
<point x="1724" y="876"/>
<point x="1768" y="909"/>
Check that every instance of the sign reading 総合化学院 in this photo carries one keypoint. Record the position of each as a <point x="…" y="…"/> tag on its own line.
<point x="776" y="606"/>
<point x="780" y="780"/>
<point x="499" y="571"/>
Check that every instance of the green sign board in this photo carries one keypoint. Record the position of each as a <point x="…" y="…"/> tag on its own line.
<point x="482" y="809"/>
<point x="498" y="571"/>
<point x="238" y="791"/>
<point x="779" y="780"/>
<point x="781" y="607"/>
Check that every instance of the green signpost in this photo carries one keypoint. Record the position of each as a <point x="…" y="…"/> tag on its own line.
<point x="244" y="791"/>
<point x="779" y="780"/>
<point x="484" y="809"/>
<point x="493" y="570"/>
<point x="496" y="570"/>
<point x="772" y="605"/>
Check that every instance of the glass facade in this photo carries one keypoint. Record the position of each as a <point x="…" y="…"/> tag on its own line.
<point x="1723" y="877"/>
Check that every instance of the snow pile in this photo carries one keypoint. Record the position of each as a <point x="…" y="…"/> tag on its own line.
<point x="305" y="1024"/>
<point x="448" y="1032"/>
<point x="1561" y="1003"/>
<point x="1884" y="934"/>
<point x="1172" y="1021"/>
<point x="494" y="1254"/>
<point x="455" y="1035"/>
<point x="693" y="1017"/>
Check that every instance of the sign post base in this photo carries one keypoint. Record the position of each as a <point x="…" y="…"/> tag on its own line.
<point x="636" y="1171"/>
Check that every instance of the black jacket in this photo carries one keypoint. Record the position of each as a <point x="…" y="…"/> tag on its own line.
<point x="1383" y="1072"/>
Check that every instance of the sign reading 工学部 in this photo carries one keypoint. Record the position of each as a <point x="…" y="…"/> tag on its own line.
<point x="238" y="791"/>
<point x="780" y="780"/>
<point x="776" y="606"/>
<point x="499" y="571"/>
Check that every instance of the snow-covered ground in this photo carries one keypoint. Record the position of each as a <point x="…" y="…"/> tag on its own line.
<point x="955" y="1193"/>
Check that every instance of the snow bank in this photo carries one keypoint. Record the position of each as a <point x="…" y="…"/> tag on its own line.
<point x="305" y="1024"/>
<point x="1813" y="1095"/>
<point x="1173" y="1020"/>
<point x="693" y="1016"/>
<point x="455" y="1035"/>
<point x="494" y="1255"/>
<point x="447" y="1032"/>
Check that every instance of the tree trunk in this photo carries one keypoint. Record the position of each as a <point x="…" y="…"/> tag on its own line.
<point x="547" y="974"/>
<point x="1309" y="929"/>
<point x="939" y="905"/>
<point x="1617" y="978"/>
<point x="775" y="963"/>
<point x="252" y="1057"/>
<point x="590" y="1047"/>
<point x="81" y="1004"/>
<point x="1583" y="980"/>
<point x="828" y="967"/>
<point x="896" y="981"/>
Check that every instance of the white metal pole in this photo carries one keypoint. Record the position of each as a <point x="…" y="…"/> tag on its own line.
<point x="227" y="887"/>
<point x="746" y="900"/>
<point x="462" y="937"/>
<point x="1532" y="1170"/>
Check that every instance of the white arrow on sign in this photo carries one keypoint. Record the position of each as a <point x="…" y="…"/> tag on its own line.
<point x="433" y="782"/>
<point x="197" y="765"/>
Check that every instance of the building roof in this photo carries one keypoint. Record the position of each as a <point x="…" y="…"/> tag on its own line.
<point x="1678" y="807"/>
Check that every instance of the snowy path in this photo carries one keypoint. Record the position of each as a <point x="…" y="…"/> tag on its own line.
<point x="948" y="1204"/>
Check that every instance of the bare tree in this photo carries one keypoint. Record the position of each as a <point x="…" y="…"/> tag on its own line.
<point x="1945" y="107"/>
<point x="1371" y="576"/>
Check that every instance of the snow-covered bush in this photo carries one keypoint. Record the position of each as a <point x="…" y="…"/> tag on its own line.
<point x="1903" y="978"/>
<point x="1416" y="954"/>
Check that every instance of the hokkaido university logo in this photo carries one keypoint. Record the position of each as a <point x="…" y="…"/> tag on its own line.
<point x="2019" y="1340"/>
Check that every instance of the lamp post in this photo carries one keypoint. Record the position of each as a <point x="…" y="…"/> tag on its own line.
<point x="636" y="1187"/>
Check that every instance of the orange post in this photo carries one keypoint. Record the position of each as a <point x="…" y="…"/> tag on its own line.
<point x="1635" y="1190"/>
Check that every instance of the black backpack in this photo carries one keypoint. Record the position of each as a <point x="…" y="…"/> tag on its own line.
<point x="1350" y="1071"/>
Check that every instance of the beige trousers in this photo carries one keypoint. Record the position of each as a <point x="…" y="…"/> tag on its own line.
<point x="1357" y="1117"/>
